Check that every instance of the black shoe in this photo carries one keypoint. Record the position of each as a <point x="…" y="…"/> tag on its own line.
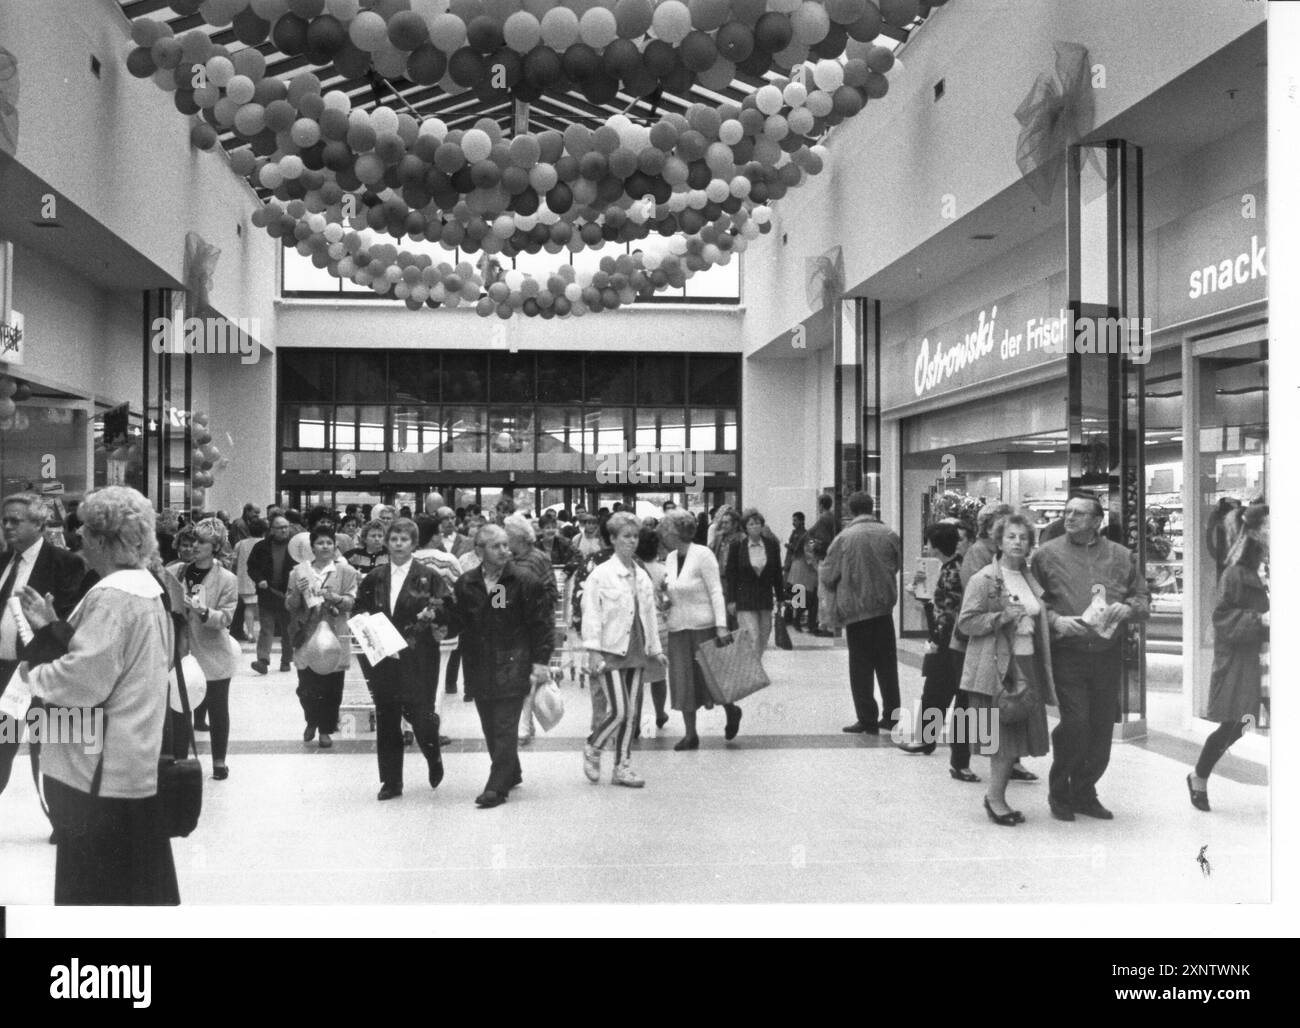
<point x="1200" y="797"/>
<point x="1020" y="818"/>
<point x="285" y="667"/>
<point x="858" y="728"/>
<point x="1007" y="820"/>
<point x="519" y="780"/>
<point x="309" y="733"/>
<point x="1093" y="808"/>
<point x="200" y="726"/>
<point x="450" y="690"/>
<point x="261" y="667"/>
<point x="1060" y="811"/>
<point x="1020" y="774"/>
<point x="689" y="743"/>
<point x="661" y="720"/>
<point x="389" y="792"/>
<point x="220" y="772"/>
<point x="733" y="724"/>
<point x="963" y="774"/>
<point x="435" y="774"/>
<point x="489" y="798"/>
<point x="444" y="740"/>
<point x="913" y="748"/>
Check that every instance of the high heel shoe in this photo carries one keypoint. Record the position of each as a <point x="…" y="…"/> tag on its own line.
<point x="963" y="774"/>
<point x="1006" y="820"/>
<point x="1200" y="797"/>
<point x="689" y="743"/>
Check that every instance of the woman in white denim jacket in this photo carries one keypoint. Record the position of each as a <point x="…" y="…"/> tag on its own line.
<point x="620" y="631"/>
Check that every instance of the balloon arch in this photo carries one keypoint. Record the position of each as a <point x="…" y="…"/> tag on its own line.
<point x="695" y="186"/>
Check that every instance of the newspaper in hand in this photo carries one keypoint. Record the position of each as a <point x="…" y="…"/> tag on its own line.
<point x="378" y="637"/>
<point x="14" y="609"/>
<point x="1099" y="616"/>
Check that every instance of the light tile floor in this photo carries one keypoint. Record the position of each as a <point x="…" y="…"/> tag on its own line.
<point x="793" y="811"/>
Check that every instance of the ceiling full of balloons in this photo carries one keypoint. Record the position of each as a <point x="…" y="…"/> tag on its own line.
<point x="346" y="183"/>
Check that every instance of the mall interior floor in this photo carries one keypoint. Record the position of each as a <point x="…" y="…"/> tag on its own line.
<point x="793" y="811"/>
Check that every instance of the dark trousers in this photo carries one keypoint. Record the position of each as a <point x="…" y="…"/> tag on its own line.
<point x="1087" y="688"/>
<point x="453" y="670"/>
<point x="873" y="656"/>
<point x="273" y="620"/>
<point x="320" y="696"/>
<point x="388" y="736"/>
<point x="110" y="851"/>
<point x="939" y="691"/>
<point x="215" y="708"/>
<point x="1217" y="745"/>
<point x="499" y="717"/>
<point x="13" y="734"/>
<point x="810" y="600"/>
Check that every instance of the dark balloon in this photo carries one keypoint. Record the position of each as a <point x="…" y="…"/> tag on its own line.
<point x="290" y="34"/>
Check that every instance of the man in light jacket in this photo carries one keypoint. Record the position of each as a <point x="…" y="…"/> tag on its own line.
<point x="860" y="579"/>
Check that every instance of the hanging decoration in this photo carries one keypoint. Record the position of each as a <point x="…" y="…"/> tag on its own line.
<point x="8" y="102"/>
<point x="1052" y="117"/>
<point x="694" y="186"/>
<point x="200" y="263"/>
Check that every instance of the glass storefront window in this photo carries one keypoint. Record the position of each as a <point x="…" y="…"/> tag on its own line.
<point x="464" y="377"/>
<point x="414" y="377"/>
<point x="559" y="377"/>
<point x="559" y="439"/>
<point x="305" y="427"/>
<point x="417" y="430"/>
<point x="512" y="378"/>
<point x="606" y="432"/>
<point x="466" y="445"/>
<point x="306" y="375"/>
<point x="661" y="379"/>
<point x="362" y="376"/>
<point x="609" y="379"/>
<point x="370" y="428"/>
<point x="704" y="430"/>
<point x="714" y="380"/>
<point x="510" y="434"/>
<point x="672" y="430"/>
<point x="647" y="429"/>
<point x="345" y="428"/>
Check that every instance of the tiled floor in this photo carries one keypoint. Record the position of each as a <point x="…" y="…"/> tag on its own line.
<point x="793" y="811"/>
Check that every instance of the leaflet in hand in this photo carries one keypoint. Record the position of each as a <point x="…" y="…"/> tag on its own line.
<point x="1101" y="618"/>
<point x="17" y="697"/>
<point x="378" y="637"/>
<point x="14" y="609"/>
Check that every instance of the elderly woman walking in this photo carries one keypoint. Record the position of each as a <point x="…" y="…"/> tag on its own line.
<point x="620" y="632"/>
<point x="322" y="591"/>
<point x="112" y="848"/>
<point x="696" y="613"/>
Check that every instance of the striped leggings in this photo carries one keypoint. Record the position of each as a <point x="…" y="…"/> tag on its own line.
<point x="622" y="691"/>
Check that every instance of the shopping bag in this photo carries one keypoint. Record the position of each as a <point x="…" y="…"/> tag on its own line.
<point x="783" y="640"/>
<point x="548" y="705"/>
<point x="731" y="668"/>
<point x="322" y="651"/>
<point x="196" y="683"/>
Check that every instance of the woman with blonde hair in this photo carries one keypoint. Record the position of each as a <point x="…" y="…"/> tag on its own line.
<point x="211" y="594"/>
<point x="116" y="650"/>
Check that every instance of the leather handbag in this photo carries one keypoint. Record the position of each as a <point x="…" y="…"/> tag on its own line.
<point x="1016" y="698"/>
<point x="180" y="779"/>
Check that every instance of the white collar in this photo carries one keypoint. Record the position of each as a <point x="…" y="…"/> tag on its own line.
<point x="133" y="581"/>
<point x="31" y="553"/>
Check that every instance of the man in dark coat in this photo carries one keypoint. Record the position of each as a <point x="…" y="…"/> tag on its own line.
<point x="505" y="622"/>
<point x="31" y="561"/>
<point x="412" y="596"/>
<point x="269" y="564"/>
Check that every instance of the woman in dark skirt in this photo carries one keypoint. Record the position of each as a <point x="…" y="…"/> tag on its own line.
<point x="1240" y="635"/>
<point x="1008" y="626"/>
<point x="116" y="649"/>
<point x="697" y="612"/>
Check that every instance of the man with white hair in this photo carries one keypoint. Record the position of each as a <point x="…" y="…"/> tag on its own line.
<point x="447" y="538"/>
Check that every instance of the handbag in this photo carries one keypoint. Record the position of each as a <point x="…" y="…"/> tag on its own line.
<point x="548" y="704"/>
<point x="731" y="668"/>
<point x="194" y="675"/>
<point x="1016" y="698"/>
<point x="180" y="779"/>
<point x="783" y="640"/>
<point x="933" y="664"/>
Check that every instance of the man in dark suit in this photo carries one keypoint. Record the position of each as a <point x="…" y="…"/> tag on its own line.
<point x="412" y="597"/>
<point x="506" y="623"/>
<point x="57" y="573"/>
<point x="269" y="564"/>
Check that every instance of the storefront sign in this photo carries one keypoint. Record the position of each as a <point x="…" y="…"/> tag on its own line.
<point x="1213" y="259"/>
<point x="11" y="339"/>
<point x="1005" y="337"/>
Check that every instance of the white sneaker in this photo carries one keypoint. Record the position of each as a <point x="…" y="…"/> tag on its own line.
<point x="624" y="775"/>
<point x="591" y="762"/>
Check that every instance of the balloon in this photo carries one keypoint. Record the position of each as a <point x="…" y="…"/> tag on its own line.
<point x="769" y="99"/>
<point x="773" y="32"/>
<point x="899" y="13"/>
<point x="467" y="67"/>
<point x="240" y="89"/>
<point x="250" y="119"/>
<point x="139" y="62"/>
<point x="633" y="17"/>
<point x="598" y="27"/>
<point x="447" y="33"/>
<point x="407" y="30"/>
<point x="672" y="21"/>
<point x="559" y="28"/>
<point x="542" y="67"/>
<point x="305" y="132"/>
<point x="846" y="12"/>
<point x="476" y="145"/>
<point x="698" y="51"/>
<point x="828" y="75"/>
<point x="522" y="32"/>
<point x="369" y="31"/>
<point x="426" y="65"/>
<point x="847" y="101"/>
<point x="326" y="36"/>
<point x="810" y="24"/>
<point x="880" y="59"/>
<point x="707" y="15"/>
<point x="203" y="136"/>
<point x="484" y="34"/>
<point x="290" y="34"/>
<point x="867" y="28"/>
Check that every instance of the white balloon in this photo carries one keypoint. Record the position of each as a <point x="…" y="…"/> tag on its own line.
<point x="795" y="94"/>
<point x="769" y="99"/>
<point x="337" y="100"/>
<point x="829" y="75"/>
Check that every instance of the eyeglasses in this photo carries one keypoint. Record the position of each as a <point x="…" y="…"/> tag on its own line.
<point x="1079" y="514"/>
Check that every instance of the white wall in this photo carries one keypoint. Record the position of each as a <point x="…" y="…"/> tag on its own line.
<point x="891" y="167"/>
<point x="117" y="147"/>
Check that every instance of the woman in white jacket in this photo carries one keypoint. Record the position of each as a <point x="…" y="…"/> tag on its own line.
<point x="620" y="632"/>
<point x="696" y="613"/>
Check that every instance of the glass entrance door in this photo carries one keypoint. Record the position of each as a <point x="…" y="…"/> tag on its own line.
<point x="1230" y="468"/>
